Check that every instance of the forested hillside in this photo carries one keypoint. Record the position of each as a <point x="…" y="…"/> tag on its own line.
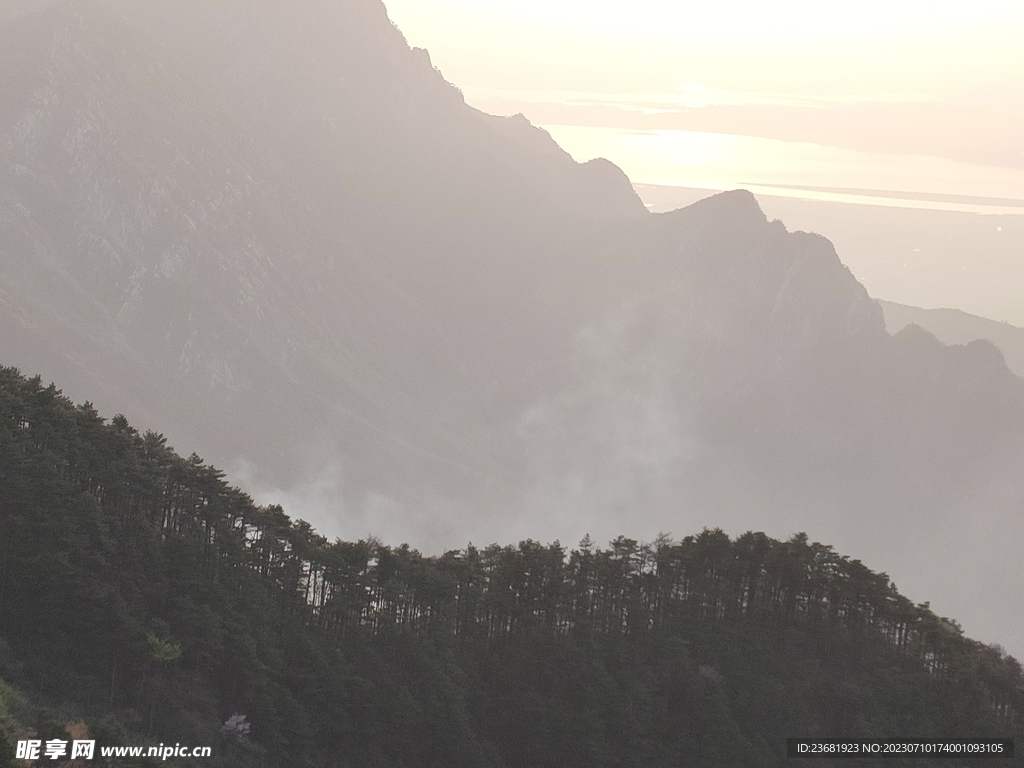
<point x="141" y="593"/>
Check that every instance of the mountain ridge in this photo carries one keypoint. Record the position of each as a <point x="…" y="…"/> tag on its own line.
<point x="954" y="327"/>
<point x="203" y="618"/>
<point x="305" y="256"/>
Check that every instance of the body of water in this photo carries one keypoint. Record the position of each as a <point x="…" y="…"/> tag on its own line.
<point x="718" y="161"/>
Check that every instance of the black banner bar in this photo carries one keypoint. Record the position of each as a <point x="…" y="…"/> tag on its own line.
<point x="899" y="748"/>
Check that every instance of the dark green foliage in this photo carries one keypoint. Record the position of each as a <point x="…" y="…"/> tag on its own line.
<point x="6" y="749"/>
<point x="142" y="593"/>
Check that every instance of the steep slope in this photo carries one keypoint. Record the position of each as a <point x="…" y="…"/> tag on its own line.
<point x="215" y="211"/>
<point x="277" y="233"/>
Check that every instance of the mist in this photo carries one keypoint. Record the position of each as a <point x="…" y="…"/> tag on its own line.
<point x="289" y="243"/>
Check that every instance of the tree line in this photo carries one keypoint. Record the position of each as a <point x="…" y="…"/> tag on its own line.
<point x="106" y="533"/>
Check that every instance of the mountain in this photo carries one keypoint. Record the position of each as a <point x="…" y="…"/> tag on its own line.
<point x="192" y="263"/>
<point x="951" y="326"/>
<point x="277" y="234"/>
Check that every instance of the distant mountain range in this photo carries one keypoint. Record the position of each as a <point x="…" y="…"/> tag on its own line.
<point x="276" y="232"/>
<point x="951" y="326"/>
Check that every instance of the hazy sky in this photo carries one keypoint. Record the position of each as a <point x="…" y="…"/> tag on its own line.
<point x="924" y="97"/>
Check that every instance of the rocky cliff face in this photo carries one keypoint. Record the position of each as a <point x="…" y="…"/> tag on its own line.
<point x="239" y="193"/>
<point x="275" y="233"/>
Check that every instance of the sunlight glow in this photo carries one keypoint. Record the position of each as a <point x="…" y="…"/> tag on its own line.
<point x="793" y="169"/>
<point x="805" y="93"/>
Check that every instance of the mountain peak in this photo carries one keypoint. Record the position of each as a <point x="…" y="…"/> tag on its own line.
<point x="737" y="204"/>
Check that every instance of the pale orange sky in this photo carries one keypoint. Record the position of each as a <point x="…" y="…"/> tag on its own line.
<point x="895" y="81"/>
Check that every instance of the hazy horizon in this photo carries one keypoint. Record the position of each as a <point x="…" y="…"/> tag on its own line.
<point x="917" y="106"/>
<point x="936" y="79"/>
